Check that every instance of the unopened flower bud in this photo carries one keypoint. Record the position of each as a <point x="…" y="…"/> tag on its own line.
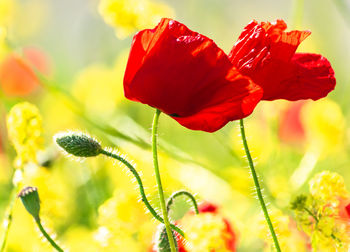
<point x="30" y="199"/>
<point x="299" y="203"/>
<point x="78" y="144"/>
<point x="162" y="241"/>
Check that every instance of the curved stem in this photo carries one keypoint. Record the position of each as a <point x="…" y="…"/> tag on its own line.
<point x="141" y="188"/>
<point x="159" y="182"/>
<point x="257" y="187"/>
<point x="47" y="236"/>
<point x="184" y="193"/>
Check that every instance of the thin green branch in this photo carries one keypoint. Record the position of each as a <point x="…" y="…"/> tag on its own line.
<point x="47" y="236"/>
<point x="182" y="193"/>
<point x="141" y="188"/>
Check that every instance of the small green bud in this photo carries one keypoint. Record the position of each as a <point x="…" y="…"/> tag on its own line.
<point x="162" y="242"/>
<point x="299" y="203"/>
<point x="30" y="199"/>
<point x="78" y="144"/>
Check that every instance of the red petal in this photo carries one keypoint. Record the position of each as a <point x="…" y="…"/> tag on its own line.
<point x="261" y="43"/>
<point x="207" y="207"/>
<point x="185" y="74"/>
<point x="266" y="53"/>
<point x="224" y="106"/>
<point x="347" y="209"/>
<point x="307" y="76"/>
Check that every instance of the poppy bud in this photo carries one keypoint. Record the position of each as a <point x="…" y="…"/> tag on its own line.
<point x="78" y="144"/>
<point x="162" y="241"/>
<point x="30" y="199"/>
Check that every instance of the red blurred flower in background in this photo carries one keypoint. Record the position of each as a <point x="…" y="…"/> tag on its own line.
<point x="291" y="128"/>
<point x="17" y="78"/>
<point x="185" y="75"/>
<point x="266" y="53"/>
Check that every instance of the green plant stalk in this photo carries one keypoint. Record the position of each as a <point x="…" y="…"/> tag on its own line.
<point x="8" y="217"/>
<point x="182" y="193"/>
<point x="159" y="182"/>
<point x="257" y="187"/>
<point x="141" y="188"/>
<point x="47" y="236"/>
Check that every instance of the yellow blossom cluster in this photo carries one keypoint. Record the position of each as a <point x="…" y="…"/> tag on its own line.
<point x="24" y="126"/>
<point x="323" y="214"/>
<point x="128" y="16"/>
<point x="329" y="186"/>
<point x="290" y="238"/>
<point x="123" y="222"/>
<point x="205" y="232"/>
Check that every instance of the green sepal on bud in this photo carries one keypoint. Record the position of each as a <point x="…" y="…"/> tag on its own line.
<point x="30" y="199"/>
<point x="78" y="144"/>
<point x="162" y="241"/>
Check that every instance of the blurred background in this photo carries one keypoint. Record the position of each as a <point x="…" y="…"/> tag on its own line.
<point x="79" y="49"/>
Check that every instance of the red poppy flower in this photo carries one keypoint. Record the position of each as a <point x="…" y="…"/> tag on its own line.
<point x="17" y="78"/>
<point x="187" y="76"/>
<point x="266" y="53"/>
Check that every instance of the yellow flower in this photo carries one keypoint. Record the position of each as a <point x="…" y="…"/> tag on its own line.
<point x="205" y="232"/>
<point x="289" y="237"/>
<point x="55" y="195"/>
<point x="324" y="124"/>
<point x="328" y="186"/>
<point x="24" y="126"/>
<point x="128" y="16"/>
<point x="116" y="240"/>
<point x="124" y="219"/>
<point x="100" y="88"/>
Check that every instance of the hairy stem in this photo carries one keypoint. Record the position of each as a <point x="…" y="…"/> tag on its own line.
<point x="159" y="182"/>
<point x="141" y="188"/>
<point x="182" y="193"/>
<point x="257" y="187"/>
<point x="47" y="236"/>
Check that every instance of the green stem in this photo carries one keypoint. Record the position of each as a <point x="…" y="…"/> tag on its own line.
<point x="312" y="215"/>
<point x="141" y="188"/>
<point x="257" y="187"/>
<point x="47" y="236"/>
<point x="184" y="193"/>
<point x="8" y="218"/>
<point x="159" y="182"/>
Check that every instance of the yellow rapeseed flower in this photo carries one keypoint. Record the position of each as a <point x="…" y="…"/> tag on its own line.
<point x="289" y="237"/>
<point x="124" y="220"/>
<point x="204" y="232"/>
<point x="24" y="126"/>
<point x="329" y="186"/>
<point x="128" y="16"/>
